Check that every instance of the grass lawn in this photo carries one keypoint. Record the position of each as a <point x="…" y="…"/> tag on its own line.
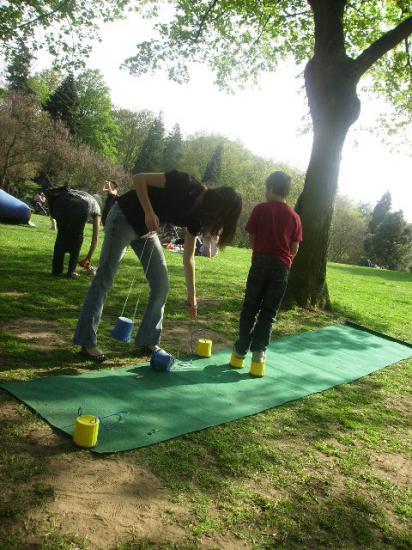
<point x="331" y="470"/>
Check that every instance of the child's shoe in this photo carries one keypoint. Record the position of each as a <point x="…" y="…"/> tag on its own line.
<point x="236" y="359"/>
<point x="257" y="367"/>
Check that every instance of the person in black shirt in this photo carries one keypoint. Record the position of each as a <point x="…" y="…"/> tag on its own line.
<point x="71" y="209"/>
<point x="172" y="197"/>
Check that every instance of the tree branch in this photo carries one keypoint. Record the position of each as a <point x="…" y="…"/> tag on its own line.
<point x="204" y="18"/>
<point x="43" y="15"/>
<point x="383" y="45"/>
<point x="408" y="53"/>
<point x="262" y="30"/>
<point x="305" y="12"/>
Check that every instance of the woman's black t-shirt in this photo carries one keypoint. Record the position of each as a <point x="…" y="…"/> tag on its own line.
<point x="171" y="203"/>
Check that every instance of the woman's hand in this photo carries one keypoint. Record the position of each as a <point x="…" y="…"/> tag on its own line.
<point x="152" y="222"/>
<point x="192" y="311"/>
<point x="142" y="182"/>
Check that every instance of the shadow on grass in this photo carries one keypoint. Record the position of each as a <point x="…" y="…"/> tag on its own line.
<point x="373" y="322"/>
<point x="382" y="274"/>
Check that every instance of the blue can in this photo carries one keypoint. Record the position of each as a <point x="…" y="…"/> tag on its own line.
<point x="123" y="330"/>
<point x="162" y="360"/>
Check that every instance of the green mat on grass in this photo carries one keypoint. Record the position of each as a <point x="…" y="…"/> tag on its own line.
<point x="160" y="405"/>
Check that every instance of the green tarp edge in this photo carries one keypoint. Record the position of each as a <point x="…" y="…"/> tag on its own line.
<point x="158" y="406"/>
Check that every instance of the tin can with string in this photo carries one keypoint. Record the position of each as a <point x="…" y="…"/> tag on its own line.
<point x="204" y="347"/>
<point x="86" y="431"/>
<point x="123" y="330"/>
<point x="161" y="360"/>
<point x="124" y="326"/>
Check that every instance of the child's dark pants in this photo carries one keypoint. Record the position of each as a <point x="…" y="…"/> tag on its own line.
<point x="265" y="288"/>
<point x="71" y="215"/>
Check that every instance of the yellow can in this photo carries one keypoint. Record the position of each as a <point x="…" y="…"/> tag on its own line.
<point x="204" y="348"/>
<point x="236" y="362"/>
<point x="257" y="369"/>
<point x="87" y="431"/>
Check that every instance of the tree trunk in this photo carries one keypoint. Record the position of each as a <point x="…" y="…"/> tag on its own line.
<point x="331" y="89"/>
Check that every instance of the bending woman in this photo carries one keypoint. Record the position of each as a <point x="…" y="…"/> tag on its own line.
<point x="172" y="197"/>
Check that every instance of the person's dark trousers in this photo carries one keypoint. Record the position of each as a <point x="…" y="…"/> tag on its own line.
<point x="265" y="288"/>
<point x="71" y="215"/>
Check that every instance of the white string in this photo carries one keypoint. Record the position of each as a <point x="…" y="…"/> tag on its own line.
<point x="194" y="328"/>
<point x="145" y="274"/>
<point x="134" y="279"/>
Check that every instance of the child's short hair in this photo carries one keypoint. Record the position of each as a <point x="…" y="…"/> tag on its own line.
<point x="279" y="183"/>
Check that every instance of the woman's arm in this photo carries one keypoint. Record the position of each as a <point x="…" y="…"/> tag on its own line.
<point x="189" y="266"/>
<point x="141" y="183"/>
<point x="95" y="237"/>
<point x="294" y="247"/>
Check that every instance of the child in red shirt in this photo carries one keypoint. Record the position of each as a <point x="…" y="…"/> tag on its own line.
<point x="275" y="232"/>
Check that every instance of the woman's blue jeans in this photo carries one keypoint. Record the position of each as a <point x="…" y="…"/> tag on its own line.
<point x="265" y="288"/>
<point x="118" y="235"/>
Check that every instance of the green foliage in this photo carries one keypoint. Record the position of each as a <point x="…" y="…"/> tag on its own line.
<point x="240" y="168"/>
<point x="390" y="76"/>
<point x="65" y="30"/>
<point x="389" y="242"/>
<point x="383" y="207"/>
<point x="214" y="166"/>
<point x="95" y="124"/>
<point x="63" y="104"/>
<point x="390" y="246"/>
<point x="43" y="84"/>
<point x="25" y="135"/>
<point x="133" y="130"/>
<point x="84" y="106"/>
<point x="239" y="40"/>
<point x="150" y="157"/>
<point x="348" y="231"/>
<point x="172" y="149"/>
<point x="18" y="70"/>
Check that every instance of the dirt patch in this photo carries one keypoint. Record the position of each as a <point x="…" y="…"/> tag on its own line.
<point x="394" y="467"/>
<point x="108" y="501"/>
<point x="39" y="334"/>
<point x="226" y="542"/>
<point x="13" y="293"/>
<point x="205" y="305"/>
<point x="402" y="404"/>
<point x="180" y="333"/>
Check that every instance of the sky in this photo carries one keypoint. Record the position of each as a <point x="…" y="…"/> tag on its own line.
<point x="267" y="119"/>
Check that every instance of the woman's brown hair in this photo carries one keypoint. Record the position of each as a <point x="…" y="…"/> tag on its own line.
<point x="218" y="213"/>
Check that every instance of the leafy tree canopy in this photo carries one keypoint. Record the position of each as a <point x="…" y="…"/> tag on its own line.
<point x="391" y="245"/>
<point x="18" y="70"/>
<point x="96" y="125"/>
<point x="150" y="157"/>
<point x="65" y="28"/>
<point x="134" y="128"/>
<point x="383" y="207"/>
<point x="240" y="39"/>
<point x="172" y="148"/>
<point x="348" y="231"/>
<point x="63" y="104"/>
<point x="214" y="166"/>
<point x="44" y="83"/>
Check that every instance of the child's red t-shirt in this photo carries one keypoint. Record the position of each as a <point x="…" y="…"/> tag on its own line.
<point x="275" y="226"/>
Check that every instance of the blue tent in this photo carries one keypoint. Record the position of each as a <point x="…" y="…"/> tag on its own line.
<point x="13" y="210"/>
